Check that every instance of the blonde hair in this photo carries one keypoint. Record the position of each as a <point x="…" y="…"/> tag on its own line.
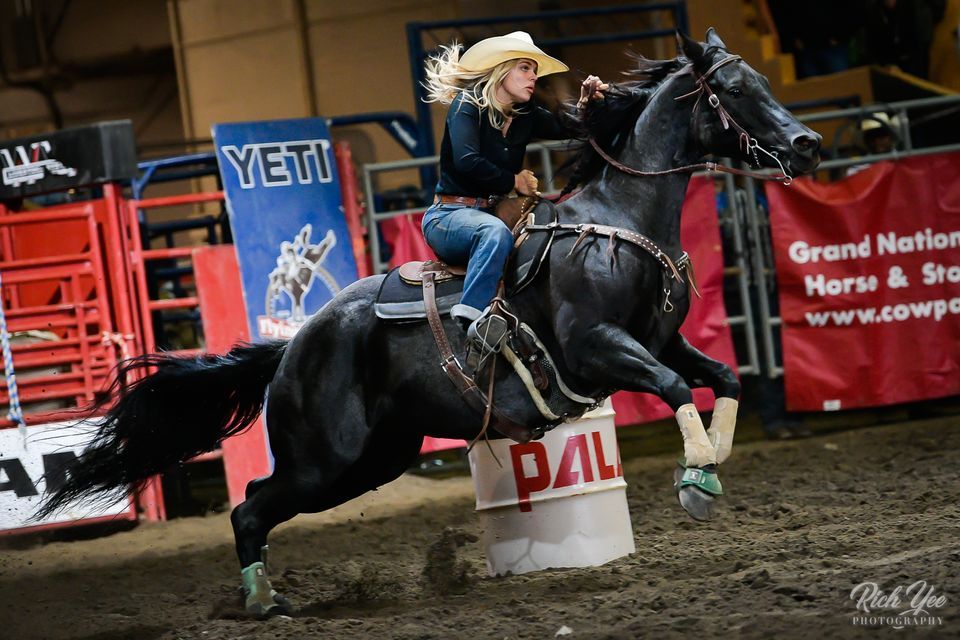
<point x="446" y="78"/>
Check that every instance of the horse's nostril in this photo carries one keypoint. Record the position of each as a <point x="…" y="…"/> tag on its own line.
<point x="805" y="144"/>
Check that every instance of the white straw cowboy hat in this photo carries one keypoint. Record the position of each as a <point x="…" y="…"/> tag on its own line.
<point x="490" y="52"/>
<point x="878" y="120"/>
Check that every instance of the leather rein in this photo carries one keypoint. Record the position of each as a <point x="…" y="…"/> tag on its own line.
<point x="748" y="144"/>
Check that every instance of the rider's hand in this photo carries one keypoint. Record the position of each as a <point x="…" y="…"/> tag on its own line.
<point x="591" y="89"/>
<point x="525" y="183"/>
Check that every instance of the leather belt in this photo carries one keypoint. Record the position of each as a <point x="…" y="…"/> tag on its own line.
<point x="474" y="203"/>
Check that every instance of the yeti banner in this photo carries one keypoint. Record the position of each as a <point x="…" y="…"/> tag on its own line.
<point x="292" y="241"/>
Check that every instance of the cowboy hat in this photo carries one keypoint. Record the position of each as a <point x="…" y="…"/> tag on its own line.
<point x="490" y="52"/>
<point x="878" y="120"/>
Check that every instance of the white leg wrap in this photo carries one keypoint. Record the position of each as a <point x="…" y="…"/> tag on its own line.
<point x="696" y="446"/>
<point x="722" y="427"/>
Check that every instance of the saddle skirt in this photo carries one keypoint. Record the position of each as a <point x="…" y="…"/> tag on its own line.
<point x="400" y="299"/>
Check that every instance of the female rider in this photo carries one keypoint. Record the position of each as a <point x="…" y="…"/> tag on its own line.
<point x="489" y="123"/>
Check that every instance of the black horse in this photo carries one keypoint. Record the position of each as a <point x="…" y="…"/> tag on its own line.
<point x="350" y="398"/>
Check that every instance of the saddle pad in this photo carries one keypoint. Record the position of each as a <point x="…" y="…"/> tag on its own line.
<point x="525" y="261"/>
<point x="397" y="301"/>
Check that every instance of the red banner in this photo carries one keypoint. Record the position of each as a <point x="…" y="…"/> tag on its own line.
<point x="869" y="277"/>
<point x="405" y="238"/>
<point x="705" y="327"/>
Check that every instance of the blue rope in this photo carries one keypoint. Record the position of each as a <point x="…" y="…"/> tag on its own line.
<point x="15" y="413"/>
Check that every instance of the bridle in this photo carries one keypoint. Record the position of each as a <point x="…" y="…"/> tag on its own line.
<point x="748" y="144"/>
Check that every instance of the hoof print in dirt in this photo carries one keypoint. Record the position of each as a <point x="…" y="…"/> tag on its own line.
<point x="444" y="572"/>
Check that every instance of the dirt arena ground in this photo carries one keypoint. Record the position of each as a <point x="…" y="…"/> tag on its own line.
<point x="802" y="524"/>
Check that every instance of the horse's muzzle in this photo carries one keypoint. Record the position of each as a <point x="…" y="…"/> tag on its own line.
<point x="806" y="150"/>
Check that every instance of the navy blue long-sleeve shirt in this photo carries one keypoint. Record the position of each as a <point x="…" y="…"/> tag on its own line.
<point x="477" y="160"/>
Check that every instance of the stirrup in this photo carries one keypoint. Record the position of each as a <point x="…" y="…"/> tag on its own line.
<point x="488" y="330"/>
<point x="485" y="336"/>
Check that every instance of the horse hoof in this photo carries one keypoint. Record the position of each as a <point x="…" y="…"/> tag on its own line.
<point x="279" y="611"/>
<point x="698" y="504"/>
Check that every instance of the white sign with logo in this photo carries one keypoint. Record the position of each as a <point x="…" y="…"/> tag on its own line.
<point x="28" y="468"/>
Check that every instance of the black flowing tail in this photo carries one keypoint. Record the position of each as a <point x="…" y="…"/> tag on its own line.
<point x="182" y="410"/>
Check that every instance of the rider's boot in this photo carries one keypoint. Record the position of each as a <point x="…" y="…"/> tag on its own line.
<point x="485" y="336"/>
<point x="485" y="332"/>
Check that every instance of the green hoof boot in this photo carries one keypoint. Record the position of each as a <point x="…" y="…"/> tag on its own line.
<point x="262" y="601"/>
<point x="697" y="490"/>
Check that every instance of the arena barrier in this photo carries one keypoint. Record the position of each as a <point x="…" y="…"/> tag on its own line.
<point x="220" y="302"/>
<point x="927" y="112"/>
<point x="149" y="307"/>
<point x="75" y="281"/>
<point x="875" y="255"/>
<point x="68" y="313"/>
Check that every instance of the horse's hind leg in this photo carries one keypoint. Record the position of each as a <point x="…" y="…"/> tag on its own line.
<point x="699" y="370"/>
<point x="269" y="502"/>
<point x="253" y="486"/>
<point x="293" y="490"/>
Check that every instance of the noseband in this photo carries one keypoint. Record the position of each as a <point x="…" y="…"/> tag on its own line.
<point x="748" y="144"/>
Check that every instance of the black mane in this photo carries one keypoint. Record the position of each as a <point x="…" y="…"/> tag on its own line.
<point x="609" y="119"/>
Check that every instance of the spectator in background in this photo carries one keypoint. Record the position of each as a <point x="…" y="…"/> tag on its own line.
<point x="900" y="32"/>
<point x="879" y="133"/>
<point x="819" y="33"/>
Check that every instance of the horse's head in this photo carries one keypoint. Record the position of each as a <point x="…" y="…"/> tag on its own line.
<point x="736" y="116"/>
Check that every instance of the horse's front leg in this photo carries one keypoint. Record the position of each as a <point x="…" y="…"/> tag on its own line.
<point x="699" y="370"/>
<point x="610" y="356"/>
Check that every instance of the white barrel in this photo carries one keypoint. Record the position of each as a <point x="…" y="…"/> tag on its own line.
<point x="557" y="502"/>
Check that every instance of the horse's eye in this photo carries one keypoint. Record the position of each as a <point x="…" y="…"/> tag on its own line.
<point x="734" y="91"/>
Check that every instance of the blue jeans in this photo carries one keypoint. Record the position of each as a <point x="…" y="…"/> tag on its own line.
<point x="464" y="236"/>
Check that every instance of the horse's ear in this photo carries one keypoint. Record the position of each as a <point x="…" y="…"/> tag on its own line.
<point x="713" y="39"/>
<point x="688" y="47"/>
